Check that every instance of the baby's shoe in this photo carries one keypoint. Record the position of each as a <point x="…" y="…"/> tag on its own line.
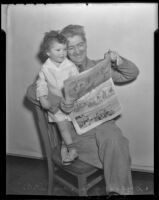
<point x="64" y="155"/>
<point x="70" y="157"/>
<point x="72" y="154"/>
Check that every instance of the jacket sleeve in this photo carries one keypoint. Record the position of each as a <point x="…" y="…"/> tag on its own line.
<point x="126" y="71"/>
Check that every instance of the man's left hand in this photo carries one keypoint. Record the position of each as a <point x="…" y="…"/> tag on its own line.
<point x="115" y="58"/>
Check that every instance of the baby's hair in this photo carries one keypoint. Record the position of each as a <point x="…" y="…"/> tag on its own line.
<point x="49" y="38"/>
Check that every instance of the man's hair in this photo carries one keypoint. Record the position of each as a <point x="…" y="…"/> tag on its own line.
<point x="49" y="38"/>
<point x="73" y="30"/>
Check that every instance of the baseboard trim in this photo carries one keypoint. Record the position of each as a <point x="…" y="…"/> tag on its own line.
<point x="139" y="168"/>
<point x="142" y="168"/>
<point x="26" y="156"/>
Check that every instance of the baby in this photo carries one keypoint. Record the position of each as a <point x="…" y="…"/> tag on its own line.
<point x="56" y="69"/>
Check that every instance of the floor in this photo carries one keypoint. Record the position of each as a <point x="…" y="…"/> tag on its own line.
<point x="27" y="176"/>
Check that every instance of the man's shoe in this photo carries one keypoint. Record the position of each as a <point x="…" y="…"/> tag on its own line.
<point x="112" y="193"/>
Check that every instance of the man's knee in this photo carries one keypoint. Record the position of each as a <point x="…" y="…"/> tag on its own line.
<point x="108" y="132"/>
<point x="110" y="139"/>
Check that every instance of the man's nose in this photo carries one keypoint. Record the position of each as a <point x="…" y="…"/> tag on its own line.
<point x="77" y="51"/>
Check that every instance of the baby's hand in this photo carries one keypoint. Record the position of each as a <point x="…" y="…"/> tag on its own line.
<point x="45" y="102"/>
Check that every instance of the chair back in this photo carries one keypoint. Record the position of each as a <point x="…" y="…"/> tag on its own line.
<point x="51" y="141"/>
<point x="48" y="131"/>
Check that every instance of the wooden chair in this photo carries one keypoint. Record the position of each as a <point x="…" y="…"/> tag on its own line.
<point x="79" y="177"/>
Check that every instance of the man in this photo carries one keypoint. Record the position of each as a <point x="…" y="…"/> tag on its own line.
<point x="104" y="146"/>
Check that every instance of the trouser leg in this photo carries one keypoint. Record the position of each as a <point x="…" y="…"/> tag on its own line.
<point x="114" y="154"/>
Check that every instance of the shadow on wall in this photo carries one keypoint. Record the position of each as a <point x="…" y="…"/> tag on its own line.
<point x="40" y="55"/>
<point x="30" y="99"/>
<point x="29" y="105"/>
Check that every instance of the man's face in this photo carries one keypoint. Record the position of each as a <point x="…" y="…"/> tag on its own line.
<point x="77" y="49"/>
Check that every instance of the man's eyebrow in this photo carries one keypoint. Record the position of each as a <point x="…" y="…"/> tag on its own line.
<point x="76" y="44"/>
<point x="81" y="42"/>
<point x="70" y="46"/>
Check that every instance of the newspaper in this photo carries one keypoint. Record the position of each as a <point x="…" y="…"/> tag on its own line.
<point x="96" y="98"/>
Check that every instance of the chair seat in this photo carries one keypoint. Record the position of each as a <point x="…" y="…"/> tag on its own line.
<point x="78" y="167"/>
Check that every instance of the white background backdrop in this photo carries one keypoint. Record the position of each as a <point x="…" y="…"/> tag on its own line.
<point x="125" y="28"/>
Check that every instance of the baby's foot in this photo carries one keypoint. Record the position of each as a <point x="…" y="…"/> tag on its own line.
<point x="73" y="155"/>
<point x="64" y="155"/>
<point x="70" y="157"/>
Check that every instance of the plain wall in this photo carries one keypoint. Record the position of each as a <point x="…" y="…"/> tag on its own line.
<point x="125" y="28"/>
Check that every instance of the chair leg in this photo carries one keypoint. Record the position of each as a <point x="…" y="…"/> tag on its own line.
<point x="50" y="179"/>
<point x="82" y="185"/>
<point x="50" y="186"/>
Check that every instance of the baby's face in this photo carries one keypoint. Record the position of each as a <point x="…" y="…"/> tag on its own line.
<point x="57" y="52"/>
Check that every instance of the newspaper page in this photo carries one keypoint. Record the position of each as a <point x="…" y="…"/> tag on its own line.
<point x="96" y="98"/>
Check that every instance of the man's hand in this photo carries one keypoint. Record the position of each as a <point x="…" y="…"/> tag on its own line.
<point x="115" y="58"/>
<point x="67" y="106"/>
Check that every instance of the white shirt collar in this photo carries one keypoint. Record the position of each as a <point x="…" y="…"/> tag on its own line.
<point x="49" y="64"/>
